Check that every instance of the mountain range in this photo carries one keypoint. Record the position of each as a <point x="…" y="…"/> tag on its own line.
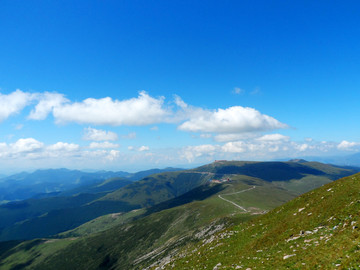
<point x="52" y="182"/>
<point x="162" y="218"/>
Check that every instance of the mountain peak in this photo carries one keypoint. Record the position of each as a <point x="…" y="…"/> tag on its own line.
<point x="298" y="160"/>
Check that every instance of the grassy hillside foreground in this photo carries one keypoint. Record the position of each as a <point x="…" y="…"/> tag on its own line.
<point x="318" y="230"/>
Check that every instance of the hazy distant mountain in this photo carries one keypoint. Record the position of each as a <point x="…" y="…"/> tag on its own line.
<point x="26" y="185"/>
<point x="352" y="160"/>
<point x="349" y="160"/>
<point x="52" y="182"/>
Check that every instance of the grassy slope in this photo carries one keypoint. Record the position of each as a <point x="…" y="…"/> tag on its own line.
<point x="102" y="223"/>
<point x="158" y="188"/>
<point x="146" y="240"/>
<point x="65" y="213"/>
<point x="318" y="230"/>
<point x="22" y="210"/>
<point x="60" y="220"/>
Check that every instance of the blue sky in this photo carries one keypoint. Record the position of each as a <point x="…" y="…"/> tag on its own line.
<point x="130" y="85"/>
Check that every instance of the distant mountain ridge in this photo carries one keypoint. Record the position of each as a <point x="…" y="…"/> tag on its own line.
<point x="51" y="182"/>
<point x="352" y="160"/>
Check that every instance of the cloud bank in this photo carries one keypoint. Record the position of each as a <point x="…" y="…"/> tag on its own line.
<point x="138" y="111"/>
<point x="235" y="119"/>
<point x="226" y="133"/>
<point x="143" y="110"/>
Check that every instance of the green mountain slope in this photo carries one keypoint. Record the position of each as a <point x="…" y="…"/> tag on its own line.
<point x="178" y="206"/>
<point x="318" y="230"/>
<point x="159" y="187"/>
<point x="162" y="229"/>
<point x="25" y="220"/>
<point x="49" y="216"/>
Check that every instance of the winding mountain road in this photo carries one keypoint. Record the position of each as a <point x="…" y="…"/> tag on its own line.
<point x="235" y="204"/>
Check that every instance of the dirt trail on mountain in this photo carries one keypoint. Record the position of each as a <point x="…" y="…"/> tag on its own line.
<point x="235" y="204"/>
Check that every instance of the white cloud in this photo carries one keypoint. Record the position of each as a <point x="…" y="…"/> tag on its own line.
<point x="130" y="148"/>
<point x="112" y="155"/>
<point x="61" y="146"/>
<point x="26" y="145"/>
<point x="234" y="147"/>
<point x="184" y="111"/>
<point x="92" y="134"/>
<point x="154" y="128"/>
<point x="13" y="103"/>
<point x="234" y="137"/>
<point x="190" y="153"/>
<point x="347" y="146"/>
<point x="102" y="145"/>
<point x="235" y="119"/>
<point x="143" y="110"/>
<point x="143" y="148"/>
<point x="273" y="137"/>
<point x="47" y="102"/>
<point x="302" y="147"/>
<point x="179" y="102"/>
<point x="274" y="148"/>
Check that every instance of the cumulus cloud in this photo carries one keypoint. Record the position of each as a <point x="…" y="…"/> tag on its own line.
<point x="102" y="145"/>
<point x="143" y="110"/>
<point x="273" y="137"/>
<point x="347" y="146"/>
<point x="235" y="119"/>
<point x="63" y="146"/>
<point x="112" y="155"/>
<point x="26" y="145"/>
<point x="190" y="153"/>
<point x="29" y="151"/>
<point x="92" y="134"/>
<point x="234" y="137"/>
<point x="13" y="103"/>
<point x="47" y="102"/>
<point x="234" y="147"/>
<point x="302" y="147"/>
<point x="137" y="111"/>
<point x="266" y="147"/>
<point x="143" y="148"/>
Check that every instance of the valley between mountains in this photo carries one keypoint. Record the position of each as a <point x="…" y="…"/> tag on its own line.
<point x="224" y="215"/>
